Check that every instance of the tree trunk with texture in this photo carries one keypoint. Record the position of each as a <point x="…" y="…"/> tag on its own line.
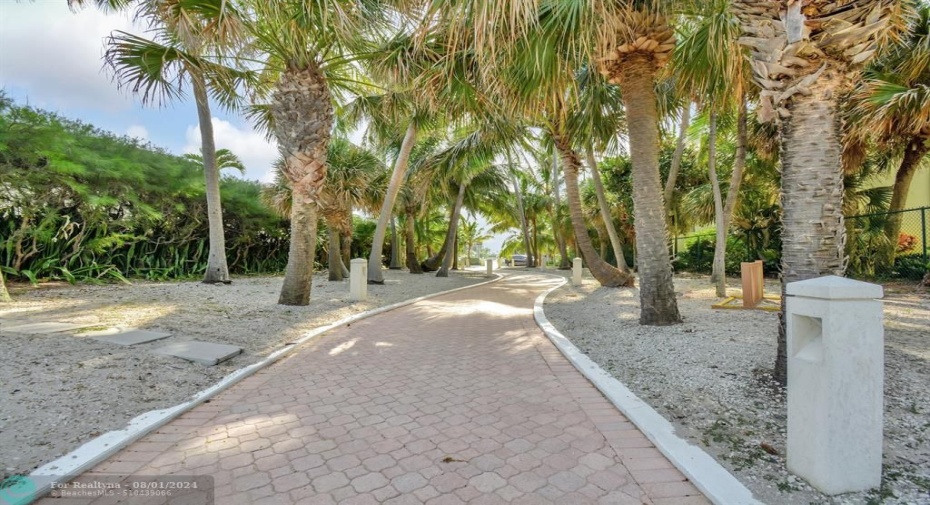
<point x="387" y="207"/>
<point x="564" y="262"/>
<point x="913" y="155"/>
<point x="410" y="243"/>
<point x="4" y="294"/>
<point x="736" y="179"/>
<point x="676" y="157"/>
<point x="813" y="234"/>
<point x="657" y="290"/>
<point x="604" y="272"/>
<point x="217" y="268"/>
<point x="449" y="244"/>
<point x="335" y="254"/>
<point x="522" y="214"/>
<point x="299" y="273"/>
<point x="395" y="247"/>
<point x="717" y="275"/>
<point x="302" y="109"/>
<point x="605" y="211"/>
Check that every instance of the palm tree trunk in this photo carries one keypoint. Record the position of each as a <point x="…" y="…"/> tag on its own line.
<point x="522" y="215"/>
<point x="4" y="294"/>
<point x="410" y="243"/>
<point x="676" y="157"/>
<point x="387" y="207"/>
<point x="217" y="269"/>
<point x="455" y="254"/>
<point x="346" y="237"/>
<point x="299" y="272"/>
<point x="564" y="263"/>
<point x="717" y="275"/>
<point x="605" y="211"/>
<point x="302" y="109"/>
<point x="604" y="272"/>
<point x="914" y="153"/>
<point x="736" y="178"/>
<point x="451" y="234"/>
<point x="813" y="235"/>
<point x="395" y="247"/>
<point x="533" y="254"/>
<point x="335" y="254"/>
<point x="657" y="290"/>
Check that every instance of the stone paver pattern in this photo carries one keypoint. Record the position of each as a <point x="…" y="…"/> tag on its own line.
<point x="456" y="399"/>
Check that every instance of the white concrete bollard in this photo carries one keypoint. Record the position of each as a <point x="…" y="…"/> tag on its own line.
<point x="490" y="265"/>
<point x="835" y="379"/>
<point x="576" y="271"/>
<point x="358" y="279"/>
<point x="543" y="262"/>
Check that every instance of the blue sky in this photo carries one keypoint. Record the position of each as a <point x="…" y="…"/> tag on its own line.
<point x="51" y="58"/>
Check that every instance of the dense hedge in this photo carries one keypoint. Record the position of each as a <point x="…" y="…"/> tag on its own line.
<point x="78" y="203"/>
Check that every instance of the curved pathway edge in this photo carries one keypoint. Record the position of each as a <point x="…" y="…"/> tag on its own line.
<point x="719" y="485"/>
<point x="95" y="451"/>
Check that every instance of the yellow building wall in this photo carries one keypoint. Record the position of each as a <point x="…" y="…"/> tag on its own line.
<point x="917" y="196"/>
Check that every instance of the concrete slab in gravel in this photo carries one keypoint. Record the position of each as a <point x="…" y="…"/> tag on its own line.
<point x="45" y="327"/>
<point x="126" y="336"/>
<point x="205" y="353"/>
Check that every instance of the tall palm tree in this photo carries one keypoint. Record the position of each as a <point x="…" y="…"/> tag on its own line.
<point x="804" y="57"/>
<point x="187" y="49"/>
<point x="308" y="47"/>
<point x="637" y="42"/>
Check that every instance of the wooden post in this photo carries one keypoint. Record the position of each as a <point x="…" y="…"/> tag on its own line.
<point x="753" y="285"/>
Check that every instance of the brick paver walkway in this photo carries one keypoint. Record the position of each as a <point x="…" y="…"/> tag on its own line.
<point x="456" y="399"/>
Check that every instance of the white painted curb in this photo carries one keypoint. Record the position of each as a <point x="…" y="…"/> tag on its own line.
<point x="102" y="447"/>
<point x="719" y="485"/>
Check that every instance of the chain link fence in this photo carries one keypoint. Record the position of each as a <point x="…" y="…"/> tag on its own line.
<point x="873" y="254"/>
<point x="889" y="245"/>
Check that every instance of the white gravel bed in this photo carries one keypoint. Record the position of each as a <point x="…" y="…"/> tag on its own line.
<point x="710" y="377"/>
<point x="59" y="390"/>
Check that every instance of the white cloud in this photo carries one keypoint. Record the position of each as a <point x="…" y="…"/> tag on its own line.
<point x="57" y="54"/>
<point x="256" y="153"/>
<point x="138" y="131"/>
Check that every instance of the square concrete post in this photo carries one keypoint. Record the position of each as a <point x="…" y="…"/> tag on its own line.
<point x="490" y="266"/>
<point x="576" y="271"/>
<point x="358" y="279"/>
<point x="835" y="378"/>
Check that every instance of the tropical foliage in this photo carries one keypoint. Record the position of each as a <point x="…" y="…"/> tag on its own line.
<point x="77" y="203"/>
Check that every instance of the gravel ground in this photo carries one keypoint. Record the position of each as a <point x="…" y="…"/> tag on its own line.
<point x="59" y="390"/>
<point x="710" y="377"/>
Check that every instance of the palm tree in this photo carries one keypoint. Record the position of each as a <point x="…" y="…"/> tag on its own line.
<point x="804" y="56"/>
<point x="308" y="48"/>
<point x="889" y="107"/>
<point x="606" y="274"/>
<point x="638" y="40"/>
<point x="186" y="50"/>
<point x="224" y="159"/>
<point x="351" y="174"/>
<point x="708" y="63"/>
